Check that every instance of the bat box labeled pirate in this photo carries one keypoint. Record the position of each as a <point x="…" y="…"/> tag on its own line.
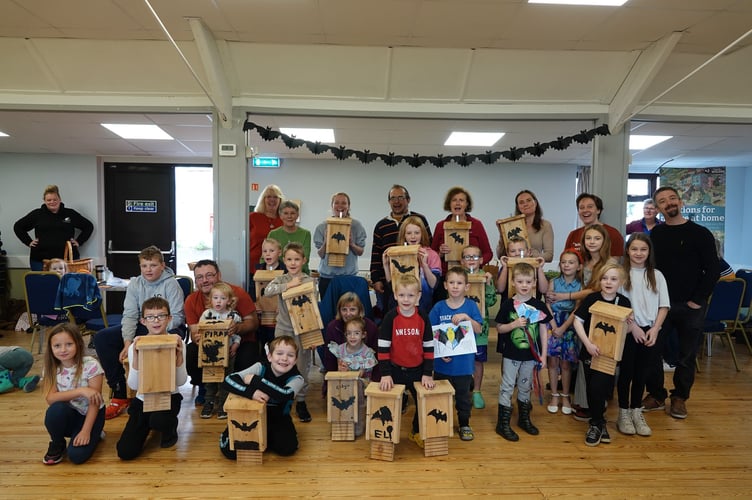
<point x="513" y="261"/>
<point x="342" y="407"/>
<point x="403" y="260"/>
<point x="337" y="240"/>
<point x="156" y="370"/>
<point x="513" y="227"/>
<point x="435" y="417"/>
<point x="304" y="314"/>
<point x="457" y="236"/>
<point x="266" y="306"/>
<point x="477" y="290"/>
<point x="383" y="416"/>
<point x="608" y="329"/>
<point x="213" y="348"/>
<point x="246" y="425"/>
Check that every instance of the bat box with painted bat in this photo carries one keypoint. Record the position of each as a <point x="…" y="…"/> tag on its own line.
<point x="305" y="317"/>
<point x="457" y="236"/>
<point x="337" y="240"/>
<point x="156" y="370"/>
<point x="608" y="329"/>
<point x="513" y="261"/>
<point x="342" y="407"/>
<point x="477" y="290"/>
<point x="403" y="260"/>
<point x="214" y="348"/>
<point x="513" y="227"/>
<point x="383" y="417"/>
<point x="246" y="426"/>
<point x="435" y="417"/>
<point x="266" y="306"/>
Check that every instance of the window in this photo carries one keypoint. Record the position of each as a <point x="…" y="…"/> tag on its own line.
<point x="639" y="188"/>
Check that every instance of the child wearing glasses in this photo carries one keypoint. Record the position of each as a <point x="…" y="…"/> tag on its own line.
<point x="155" y="317"/>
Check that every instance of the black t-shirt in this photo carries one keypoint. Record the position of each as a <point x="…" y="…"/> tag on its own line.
<point x="515" y="345"/>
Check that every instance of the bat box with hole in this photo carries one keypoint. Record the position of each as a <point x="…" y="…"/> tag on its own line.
<point x="403" y="260"/>
<point x="342" y="405"/>
<point x="337" y="240"/>
<point x="246" y="426"/>
<point x="513" y="261"/>
<point x="302" y="304"/>
<point x="266" y="306"/>
<point x="214" y="348"/>
<point x="477" y="290"/>
<point x="435" y="417"/>
<point x="383" y="417"/>
<point x="156" y="370"/>
<point x="457" y="236"/>
<point x="511" y="227"/>
<point x="608" y="330"/>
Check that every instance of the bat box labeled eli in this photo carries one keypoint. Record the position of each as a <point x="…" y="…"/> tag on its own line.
<point x="156" y="370"/>
<point x="457" y="236"/>
<point x="214" y="348"/>
<point x="383" y="417"/>
<point x="608" y="330"/>
<point x="305" y="317"/>
<point x="266" y="306"/>
<point x="435" y="417"/>
<point x="513" y="227"/>
<point x="337" y="240"/>
<point x="342" y="405"/>
<point x="246" y="426"/>
<point x="403" y="260"/>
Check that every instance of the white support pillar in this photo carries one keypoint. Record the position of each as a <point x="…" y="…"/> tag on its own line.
<point x="611" y="161"/>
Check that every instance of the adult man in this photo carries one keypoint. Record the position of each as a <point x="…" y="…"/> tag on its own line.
<point x="386" y="232"/>
<point x="589" y="208"/>
<point x="685" y="254"/>
<point x="206" y="273"/>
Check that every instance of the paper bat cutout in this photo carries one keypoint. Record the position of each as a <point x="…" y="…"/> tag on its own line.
<point x="392" y="159"/>
<point x="452" y="336"/>
<point x="490" y="157"/>
<point x="537" y="149"/>
<point x="606" y="327"/>
<point x="457" y="238"/>
<point x="438" y="415"/>
<point x="401" y="268"/>
<point x="513" y="154"/>
<point x="341" y="153"/>
<point x="384" y="414"/>
<point x="243" y="426"/>
<point x="343" y="405"/>
<point x="338" y="236"/>
<point x="465" y="159"/>
<point x="524" y="310"/>
<point x="317" y="148"/>
<point x="515" y="231"/>
<point x="292" y="142"/>
<point x="300" y="300"/>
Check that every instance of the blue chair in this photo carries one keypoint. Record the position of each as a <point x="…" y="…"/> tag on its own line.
<point x="79" y="296"/>
<point x="746" y="311"/>
<point x="186" y="284"/>
<point x="722" y="316"/>
<point x="40" y="291"/>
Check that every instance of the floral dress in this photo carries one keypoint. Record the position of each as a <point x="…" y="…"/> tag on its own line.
<point x="564" y="347"/>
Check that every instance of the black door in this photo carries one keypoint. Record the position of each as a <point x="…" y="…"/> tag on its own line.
<point x="139" y="211"/>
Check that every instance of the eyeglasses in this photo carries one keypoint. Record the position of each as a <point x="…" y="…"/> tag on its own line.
<point x="356" y="333"/>
<point x="397" y="198"/>
<point x="471" y="257"/>
<point x="206" y="276"/>
<point x="155" y="317"/>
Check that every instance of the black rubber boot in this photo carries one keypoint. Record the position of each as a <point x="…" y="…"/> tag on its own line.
<point x="524" y="419"/>
<point x="502" y="426"/>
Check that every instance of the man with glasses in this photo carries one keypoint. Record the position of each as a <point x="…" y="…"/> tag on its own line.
<point x="385" y="235"/>
<point x="206" y="274"/>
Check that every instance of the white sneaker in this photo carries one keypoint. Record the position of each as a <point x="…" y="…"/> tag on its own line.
<point x="668" y="368"/>
<point x="624" y="424"/>
<point x="640" y="425"/>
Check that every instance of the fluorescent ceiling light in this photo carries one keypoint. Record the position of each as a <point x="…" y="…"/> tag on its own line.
<point x="322" y="135"/>
<point x="3" y="134"/>
<point x="640" y="142"/>
<point x="603" y="3"/>
<point x="135" y="131"/>
<point x="473" y="138"/>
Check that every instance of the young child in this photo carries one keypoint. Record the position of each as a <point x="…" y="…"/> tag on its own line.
<point x="15" y="363"/>
<point x="599" y="385"/>
<point x="349" y="307"/>
<point x="646" y="288"/>
<point x="518" y="247"/>
<point x="457" y="369"/>
<point x="406" y="345"/>
<point x="294" y="259"/>
<point x="562" y="342"/>
<point x="274" y="382"/>
<point x="271" y="253"/>
<point x="223" y="302"/>
<point x="472" y="261"/>
<point x="413" y="232"/>
<point x="156" y="280"/>
<point x="596" y="252"/>
<point x="156" y="317"/>
<point x="58" y="266"/>
<point x="520" y="352"/>
<point x="355" y="355"/>
<point x="73" y="389"/>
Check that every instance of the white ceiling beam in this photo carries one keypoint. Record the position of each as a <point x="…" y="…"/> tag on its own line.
<point x="646" y="67"/>
<point x="218" y="84"/>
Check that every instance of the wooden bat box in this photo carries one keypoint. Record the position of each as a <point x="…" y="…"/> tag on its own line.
<point x="337" y="240"/>
<point x="435" y="417"/>
<point x="457" y="236"/>
<point x="513" y="261"/>
<point x="403" y="260"/>
<point x="511" y="227"/>
<point x="383" y="416"/>
<point x="303" y="307"/>
<point x="246" y="424"/>
<point x="214" y="348"/>
<point x="342" y="405"/>
<point x="608" y="330"/>
<point x="477" y="290"/>
<point x="156" y="370"/>
<point x="266" y="306"/>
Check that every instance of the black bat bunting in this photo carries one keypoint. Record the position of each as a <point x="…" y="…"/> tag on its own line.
<point x="343" y="404"/>
<point x="513" y="154"/>
<point x="300" y="300"/>
<point x="243" y="426"/>
<point x="561" y="143"/>
<point x="342" y="153"/>
<point x="457" y="238"/>
<point x="338" y="236"/>
<point x="464" y="159"/>
<point x="316" y="147"/>
<point x="438" y="415"/>
<point x="384" y="414"/>
<point x="606" y="327"/>
<point x="440" y="160"/>
<point x="490" y="157"/>
<point x="402" y="269"/>
<point x="366" y="156"/>
<point x="292" y="142"/>
<point x="391" y="159"/>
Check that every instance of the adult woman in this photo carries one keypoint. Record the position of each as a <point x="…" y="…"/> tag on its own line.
<point x="290" y="231"/>
<point x="262" y="220"/>
<point x="459" y="203"/>
<point x="340" y="208"/>
<point x="540" y="233"/>
<point x="53" y="226"/>
<point x="648" y="221"/>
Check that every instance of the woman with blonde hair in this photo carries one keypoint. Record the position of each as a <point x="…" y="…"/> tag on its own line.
<point x="263" y="219"/>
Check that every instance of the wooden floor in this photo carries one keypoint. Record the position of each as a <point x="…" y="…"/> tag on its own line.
<point x="708" y="454"/>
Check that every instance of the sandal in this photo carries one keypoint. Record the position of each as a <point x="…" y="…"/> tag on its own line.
<point x="566" y="406"/>
<point x="553" y="406"/>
